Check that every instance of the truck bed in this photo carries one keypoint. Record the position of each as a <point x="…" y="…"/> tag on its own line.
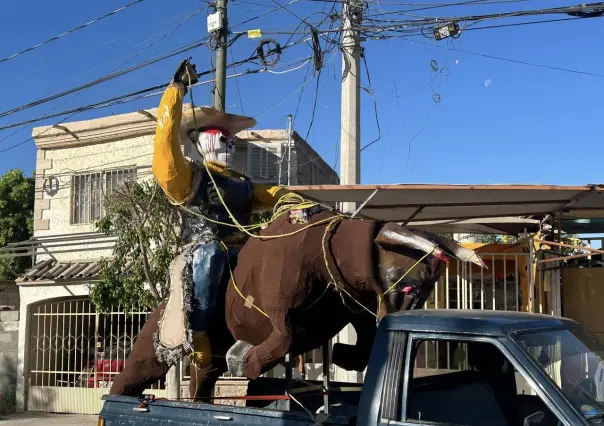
<point x="120" y="411"/>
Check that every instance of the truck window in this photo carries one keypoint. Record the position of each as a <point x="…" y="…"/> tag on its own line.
<point x="470" y="384"/>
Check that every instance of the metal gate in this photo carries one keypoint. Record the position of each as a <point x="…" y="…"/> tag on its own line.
<point x="74" y="353"/>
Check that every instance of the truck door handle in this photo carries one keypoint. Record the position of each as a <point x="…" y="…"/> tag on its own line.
<point x="227" y="418"/>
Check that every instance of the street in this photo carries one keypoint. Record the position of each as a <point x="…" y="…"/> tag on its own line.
<point x="48" y="419"/>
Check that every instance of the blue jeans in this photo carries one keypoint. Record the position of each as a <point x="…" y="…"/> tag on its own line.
<point x="210" y="279"/>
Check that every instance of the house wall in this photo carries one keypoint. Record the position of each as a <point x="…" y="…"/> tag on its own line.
<point x="60" y="156"/>
<point x="52" y="210"/>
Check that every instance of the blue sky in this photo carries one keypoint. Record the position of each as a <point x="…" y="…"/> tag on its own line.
<point x="529" y="125"/>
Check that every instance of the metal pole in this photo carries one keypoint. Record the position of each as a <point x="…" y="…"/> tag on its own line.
<point x="326" y="385"/>
<point x="350" y="138"/>
<point x="288" y="379"/>
<point x="290" y="129"/>
<point x="531" y="275"/>
<point x="221" y="57"/>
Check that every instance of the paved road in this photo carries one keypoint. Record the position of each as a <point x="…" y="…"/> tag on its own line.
<point x="48" y="419"/>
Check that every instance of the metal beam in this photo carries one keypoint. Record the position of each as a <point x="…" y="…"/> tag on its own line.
<point x="357" y="211"/>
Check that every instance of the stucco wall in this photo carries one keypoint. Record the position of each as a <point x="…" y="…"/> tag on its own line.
<point x="62" y="164"/>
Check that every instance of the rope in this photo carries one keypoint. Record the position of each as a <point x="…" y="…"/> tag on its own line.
<point x="237" y="287"/>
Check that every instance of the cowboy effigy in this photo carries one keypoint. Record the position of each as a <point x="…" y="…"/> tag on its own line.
<point x="201" y="191"/>
<point x="288" y="289"/>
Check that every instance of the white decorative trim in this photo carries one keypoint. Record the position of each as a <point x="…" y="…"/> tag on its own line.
<point x="98" y="130"/>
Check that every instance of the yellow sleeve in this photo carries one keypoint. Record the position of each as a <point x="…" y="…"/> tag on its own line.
<point x="172" y="171"/>
<point x="266" y="196"/>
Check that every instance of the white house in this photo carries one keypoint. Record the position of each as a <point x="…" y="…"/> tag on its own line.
<point x="68" y="352"/>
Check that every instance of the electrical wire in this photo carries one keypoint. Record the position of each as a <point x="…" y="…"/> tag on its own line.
<point x="108" y="77"/>
<point x="371" y="92"/>
<point x="71" y="31"/>
<point x="238" y="88"/>
<point x="121" y="101"/>
<point x="129" y="97"/>
<point x="515" y="61"/>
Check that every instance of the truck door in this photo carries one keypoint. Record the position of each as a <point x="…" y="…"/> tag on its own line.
<point x="463" y="381"/>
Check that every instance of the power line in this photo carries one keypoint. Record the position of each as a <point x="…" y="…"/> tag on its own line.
<point x="519" y="24"/>
<point x="122" y="101"/>
<point x="140" y="94"/>
<point x="108" y="77"/>
<point x="29" y="49"/>
<point x="516" y="61"/>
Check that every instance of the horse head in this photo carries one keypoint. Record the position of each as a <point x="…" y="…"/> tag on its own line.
<point x="409" y="264"/>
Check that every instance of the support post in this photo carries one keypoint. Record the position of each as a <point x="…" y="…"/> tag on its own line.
<point x="290" y="129"/>
<point x="221" y="57"/>
<point x="173" y="382"/>
<point x="531" y="275"/>
<point x="288" y="379"/>
<point x="326" y="384"/>
<point x="350" y="128"/>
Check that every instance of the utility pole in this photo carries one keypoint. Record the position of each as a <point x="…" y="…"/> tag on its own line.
<point x="350" y="137"/>
<point x="221" y="55"/>
<point x="290" y="129"/>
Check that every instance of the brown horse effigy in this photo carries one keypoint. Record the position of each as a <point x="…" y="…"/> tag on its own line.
<point x="292" y="294"/>
<point x="296" y="286"/>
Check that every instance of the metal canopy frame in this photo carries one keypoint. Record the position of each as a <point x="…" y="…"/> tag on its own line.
<point x="407" y="203"/>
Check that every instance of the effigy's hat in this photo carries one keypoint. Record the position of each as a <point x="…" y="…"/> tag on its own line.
<point x="207" y="116"/>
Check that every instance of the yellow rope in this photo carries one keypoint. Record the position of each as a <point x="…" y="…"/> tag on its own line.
<point x="237" y="287"/>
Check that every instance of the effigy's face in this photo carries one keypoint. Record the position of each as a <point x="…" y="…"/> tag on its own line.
<point x="216" y="146"/>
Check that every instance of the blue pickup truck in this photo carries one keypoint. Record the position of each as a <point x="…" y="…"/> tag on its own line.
<point x="430" y="367"/>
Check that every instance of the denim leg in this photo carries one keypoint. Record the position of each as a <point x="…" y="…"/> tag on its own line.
<point x="210" y="267"/>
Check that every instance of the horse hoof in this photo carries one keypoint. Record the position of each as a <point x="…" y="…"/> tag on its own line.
<point x="235" y="357"/>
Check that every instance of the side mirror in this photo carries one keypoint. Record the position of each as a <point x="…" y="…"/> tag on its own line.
<point x="535" y="419"/>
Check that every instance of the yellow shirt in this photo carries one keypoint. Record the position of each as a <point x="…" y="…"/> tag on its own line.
<point x="173" y="172"/>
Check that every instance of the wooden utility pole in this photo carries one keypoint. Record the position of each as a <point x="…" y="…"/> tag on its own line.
<point x="221" y="56"/>
<point x="350" y="137"/>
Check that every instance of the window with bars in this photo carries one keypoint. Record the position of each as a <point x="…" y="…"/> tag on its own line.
<point x="263" y="161"/>
<point x="88" y="192"/>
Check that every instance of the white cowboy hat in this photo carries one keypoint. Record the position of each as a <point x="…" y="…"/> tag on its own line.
<point x="207" y="116"/>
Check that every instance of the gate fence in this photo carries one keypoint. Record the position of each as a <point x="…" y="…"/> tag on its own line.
<point x="74" y="353"/>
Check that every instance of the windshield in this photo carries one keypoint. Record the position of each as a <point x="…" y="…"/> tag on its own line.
<point x="575" y="362"/>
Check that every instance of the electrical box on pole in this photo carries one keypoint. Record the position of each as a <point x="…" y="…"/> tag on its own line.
<point x="215" y="22"/>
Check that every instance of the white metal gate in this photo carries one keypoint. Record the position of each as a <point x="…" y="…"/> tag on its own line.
<point x="74" y="353"/>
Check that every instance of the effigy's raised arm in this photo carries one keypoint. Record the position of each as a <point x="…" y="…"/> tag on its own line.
<point x="172" y="171"/>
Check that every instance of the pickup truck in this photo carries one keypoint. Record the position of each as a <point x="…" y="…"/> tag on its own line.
<point x="429" y="367"/>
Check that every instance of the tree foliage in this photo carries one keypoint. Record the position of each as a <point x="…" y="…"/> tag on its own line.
<point x="148" y="234"/>
<point x="16" y="219"/>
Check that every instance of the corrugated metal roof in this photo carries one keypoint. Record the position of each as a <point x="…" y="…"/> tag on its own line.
<point x="53" y="270"/>
<point x="400" y="202"/>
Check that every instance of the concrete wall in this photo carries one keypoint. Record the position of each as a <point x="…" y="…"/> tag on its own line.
<point x="9" y="343"/>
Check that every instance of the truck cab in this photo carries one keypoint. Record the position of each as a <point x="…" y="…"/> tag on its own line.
<point x="430" y="367"/>
<point x="471" y="368"/>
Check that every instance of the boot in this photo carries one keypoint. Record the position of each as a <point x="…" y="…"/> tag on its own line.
<point x="202" y="354"/>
